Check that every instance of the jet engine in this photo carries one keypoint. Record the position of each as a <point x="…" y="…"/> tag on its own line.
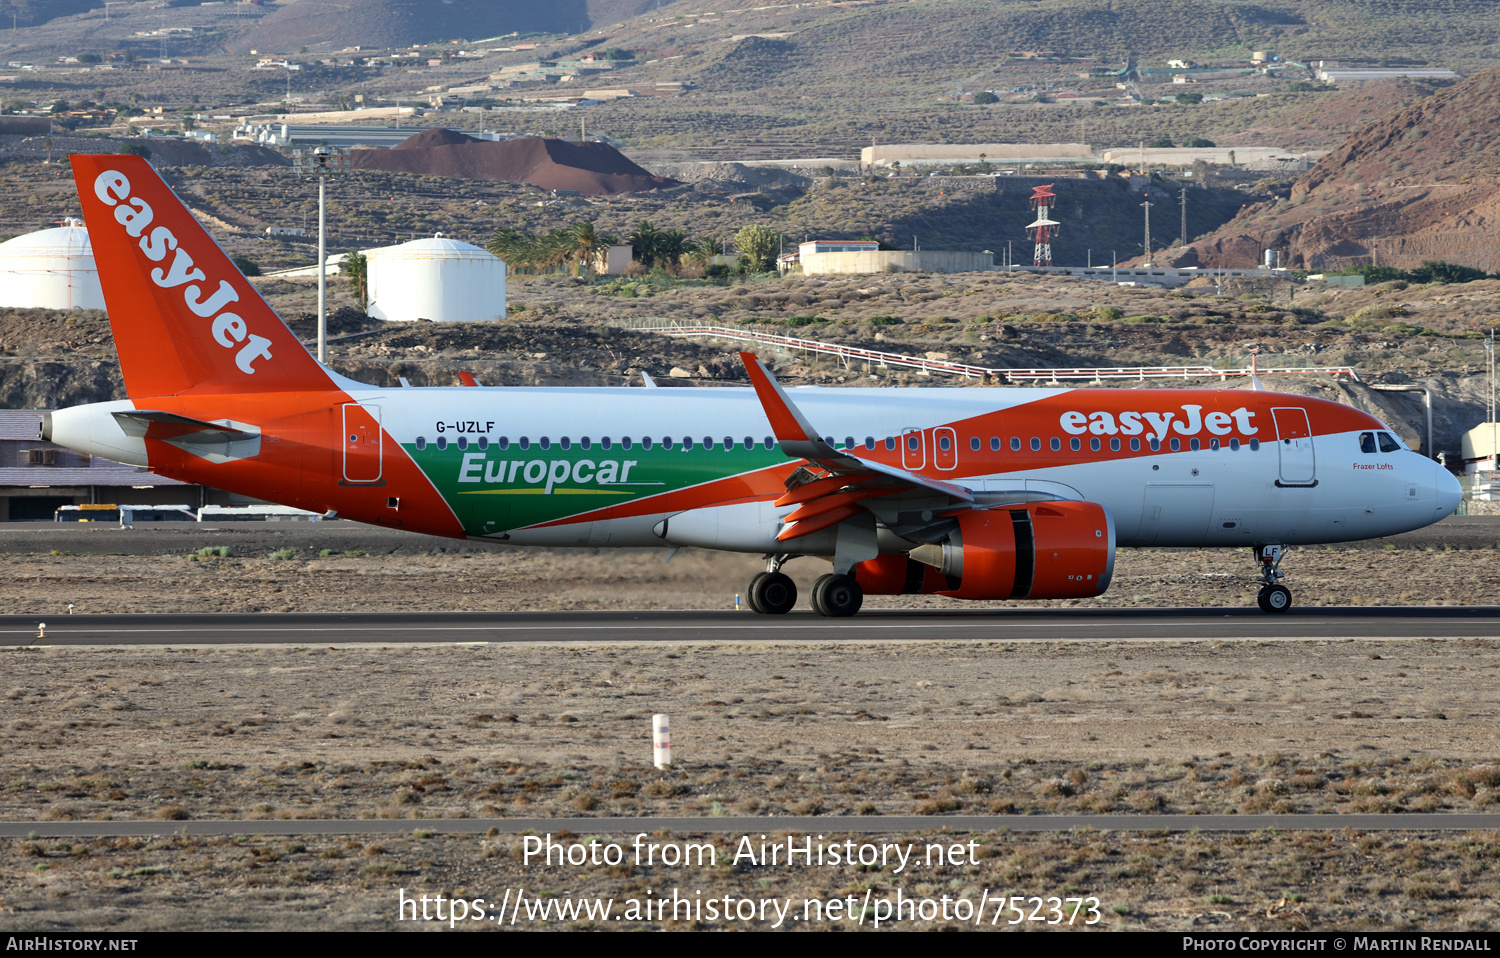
<point x="1038" y="550"/>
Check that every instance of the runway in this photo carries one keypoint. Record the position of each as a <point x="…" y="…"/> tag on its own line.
<point x="717" y="628"/>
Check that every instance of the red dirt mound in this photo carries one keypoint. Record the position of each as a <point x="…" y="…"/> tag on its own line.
<point x="436" y="136"/>
<point x="597" y="169"/>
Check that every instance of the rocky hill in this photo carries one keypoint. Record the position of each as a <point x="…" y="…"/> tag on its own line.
<point x="1420" y="184"/>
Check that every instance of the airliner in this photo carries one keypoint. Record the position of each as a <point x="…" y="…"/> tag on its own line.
<point x="966" y="493"/>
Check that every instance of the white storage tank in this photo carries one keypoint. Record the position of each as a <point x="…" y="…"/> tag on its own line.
<point x="53" y="269"/>
<point x="437" y="279"/>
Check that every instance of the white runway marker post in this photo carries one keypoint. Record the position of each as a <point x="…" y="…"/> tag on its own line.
<point x="661" y="740"/>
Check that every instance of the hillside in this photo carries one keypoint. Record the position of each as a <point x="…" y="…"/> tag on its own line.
<point x="1420" y="184"/>
<point x="337" y="24"/>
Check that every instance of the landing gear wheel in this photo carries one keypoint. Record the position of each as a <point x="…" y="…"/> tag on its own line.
<point x="1275" y="598"/>
<point x="751" y="591"/>
<point x="837" y="596"/>
<point x="773" y="593"/>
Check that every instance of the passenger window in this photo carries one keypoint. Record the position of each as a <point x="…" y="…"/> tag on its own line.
<point x="565" y="443"/>
<point x="1255" y="445"/>
<point x="604" y="443"/>
<point x="504" y="442"/>
<point x="1155" y="445"/>
<point x="1015" y="443"/>
<point x="770" y="442"/>
<point x="708" y="442"/>
<point x="749" y="443"/>
<point x="1213" y="445"/>
<point x="1387" y="444"/>
<point x="1094" y="444"/>
<point x="1056" y="444"/>
<point x="463" y="442"/>
<point x="914" y="442"/>
<point x="687" y="443"/>
<point x="442" y="442"/>
<point x="994" y="444"/>
<point x="1234" y="445"/>
<point x="1036" y="444"/>
<point x="890" y="443"/>
<point x="1176" y="444"/>
<point x="870" y="443"/>
<point x="1193" y="444"/>
<point x="584" y="442"/>
<point x="484" y="442"/>
<point x="1367" y="442"/>
<point x="421" y="443"/>
<point x="626" y="443"/>
<point x="1075" y="444"/>
<point x="545" y="443"/>
<point x="848" y="442"/>
<point x="1135" y="445"/>
<point x="974" y="443"/>
<point x="729" y="444"/>
<point x="1114" y="444"/>
<point x="944" y="443"/>
<point x="666" y="442"/>
<point x="645" y="442"/>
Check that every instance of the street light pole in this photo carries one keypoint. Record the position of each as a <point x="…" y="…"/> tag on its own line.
<point x="320" y="162"/>
<point x="322" y="276"/>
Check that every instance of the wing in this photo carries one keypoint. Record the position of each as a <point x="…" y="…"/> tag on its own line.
<point x="834" y="485"/>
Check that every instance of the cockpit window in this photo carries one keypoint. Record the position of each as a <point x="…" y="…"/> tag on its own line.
<point x="1367" y="442"/>
<point x="1387" y="444"/>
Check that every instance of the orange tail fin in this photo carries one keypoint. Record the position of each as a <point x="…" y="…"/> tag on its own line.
<point x="185" y="319"/>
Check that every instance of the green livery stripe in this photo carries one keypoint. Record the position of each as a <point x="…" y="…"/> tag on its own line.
<point x="543" y="492"/>
<point x="512" y="488"/>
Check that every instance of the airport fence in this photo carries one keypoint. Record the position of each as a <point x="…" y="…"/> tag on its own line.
<point x="852" y="355"/>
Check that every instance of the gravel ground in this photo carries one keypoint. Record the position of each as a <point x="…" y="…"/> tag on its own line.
<point x="808" y="729"/>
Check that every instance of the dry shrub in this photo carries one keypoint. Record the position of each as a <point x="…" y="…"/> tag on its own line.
<point x="171" y="813"/>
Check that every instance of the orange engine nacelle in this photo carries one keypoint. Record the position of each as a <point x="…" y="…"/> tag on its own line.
<point x="1039" y="550"/>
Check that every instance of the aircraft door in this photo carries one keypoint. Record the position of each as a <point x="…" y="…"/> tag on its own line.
<point x="945" y="448"/>
<point x="913" y="449"/>
<point x="1294" y="444"/>
<point x="362" y="444"/>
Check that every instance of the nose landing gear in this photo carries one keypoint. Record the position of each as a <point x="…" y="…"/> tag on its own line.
<point x="1274" y="597"/>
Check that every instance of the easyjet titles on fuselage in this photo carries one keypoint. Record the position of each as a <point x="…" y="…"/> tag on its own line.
<point x="1193" y="421"/>
<point x="135" y="214"/>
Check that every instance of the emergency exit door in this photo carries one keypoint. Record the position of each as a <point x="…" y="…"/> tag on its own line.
<point x="1294" y="443"/>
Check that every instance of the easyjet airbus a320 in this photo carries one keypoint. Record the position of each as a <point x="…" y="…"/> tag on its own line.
<point x="971" y="493"/>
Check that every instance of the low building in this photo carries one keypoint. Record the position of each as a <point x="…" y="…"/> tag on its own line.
<point x="36" y="477"/>
<point x="838" y="246"/>
<point x="1390" y="73"/>
<point x="896" y="261"/>
<point x="613" y="260"/>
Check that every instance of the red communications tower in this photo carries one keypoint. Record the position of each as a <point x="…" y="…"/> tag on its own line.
<point x="1042" y="231"/>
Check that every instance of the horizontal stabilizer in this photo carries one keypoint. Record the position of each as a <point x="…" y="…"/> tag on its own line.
<point x="179" y="430"/>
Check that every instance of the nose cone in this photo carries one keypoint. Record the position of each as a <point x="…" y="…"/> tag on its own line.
<point x="1448" y="492"/>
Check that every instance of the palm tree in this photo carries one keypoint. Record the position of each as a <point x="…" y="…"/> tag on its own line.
<point x="644" y="241"/>
<point x="587" y="245"/>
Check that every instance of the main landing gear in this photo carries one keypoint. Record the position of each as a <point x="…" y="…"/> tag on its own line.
<point x="773" y="592"/>
<point x="1274" y="597"/>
